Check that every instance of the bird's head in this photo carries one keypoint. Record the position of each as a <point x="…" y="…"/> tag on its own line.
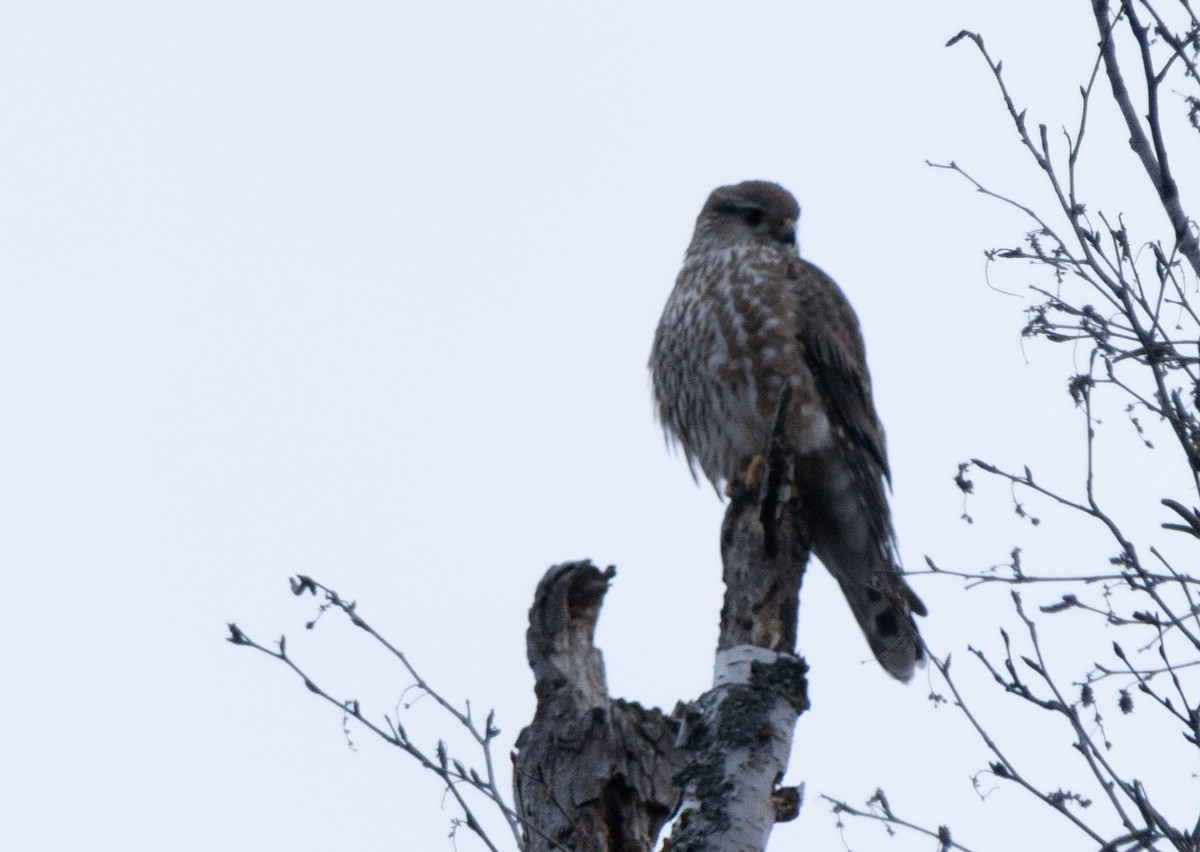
<point x="752" y="211"/>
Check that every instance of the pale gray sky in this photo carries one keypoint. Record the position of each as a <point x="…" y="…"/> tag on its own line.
<point x="366" y="290"/>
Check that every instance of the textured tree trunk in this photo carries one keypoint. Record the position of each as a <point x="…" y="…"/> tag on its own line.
<point x="604" y="775"/>
<point x="590" y="773"/>
<point x="739" y="734"/>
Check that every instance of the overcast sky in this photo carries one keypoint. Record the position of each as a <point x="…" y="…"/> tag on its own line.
<point x="366" y="290"/>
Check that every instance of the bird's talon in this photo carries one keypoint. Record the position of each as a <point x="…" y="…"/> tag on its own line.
<point x="751" y="478"/>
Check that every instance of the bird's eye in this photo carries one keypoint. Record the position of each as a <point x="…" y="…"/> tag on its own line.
<point x="753" y="216"/>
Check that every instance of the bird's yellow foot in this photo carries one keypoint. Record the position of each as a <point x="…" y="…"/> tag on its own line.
<point x="749" y="479"/>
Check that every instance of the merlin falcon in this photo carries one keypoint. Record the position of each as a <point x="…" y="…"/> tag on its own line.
<point x="748" y="317"/>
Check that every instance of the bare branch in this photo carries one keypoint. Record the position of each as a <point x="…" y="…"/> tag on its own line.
<point x="881" y="811"/>
<point x="451" y="772"/>
<point x="1151" y="150"/>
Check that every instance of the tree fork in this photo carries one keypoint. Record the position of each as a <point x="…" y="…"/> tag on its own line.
<point x="596" y="773"/>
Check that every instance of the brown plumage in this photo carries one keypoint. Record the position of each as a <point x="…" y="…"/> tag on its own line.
<point x="748" y="315"/>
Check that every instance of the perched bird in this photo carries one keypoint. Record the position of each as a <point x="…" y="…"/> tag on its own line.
<point x="747" y="317"/>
